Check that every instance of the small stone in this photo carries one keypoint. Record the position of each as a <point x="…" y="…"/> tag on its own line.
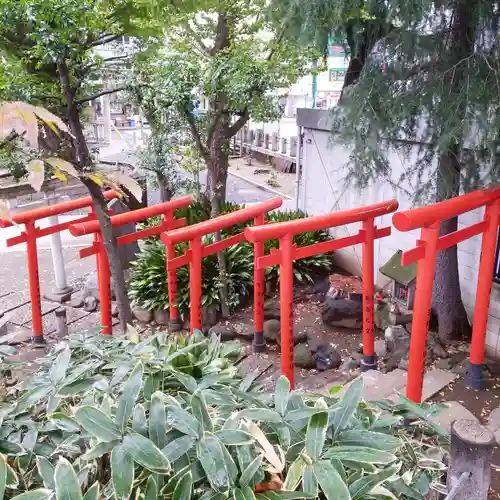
<point x="380" y="348"/>
<point x="493" y="366"/>
<point x="114" y="310"/>
<point x="161" y="316"/>
<point x="90" y="304"/>
<point x="303" y="357"/>
<point x="327" y="358"/>
<point x="464" y="348"/>
<point x="358" y="356"/>
<point x="457" y="357"/>
<point x="142" y="315"/>
<point x="226" y="332"/>
<point x="272" y="330"/>
<point x="392" y="363"/>
<point x="77" y="301"/>
<point x="444" y="364"/>
<point x="497" y="436"/>
<point x="348" y="365"/>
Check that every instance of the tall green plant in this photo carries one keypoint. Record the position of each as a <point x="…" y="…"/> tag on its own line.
<point x="170" y="418"/>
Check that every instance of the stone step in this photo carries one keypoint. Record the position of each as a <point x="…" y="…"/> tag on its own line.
<point x="378" y="385"/>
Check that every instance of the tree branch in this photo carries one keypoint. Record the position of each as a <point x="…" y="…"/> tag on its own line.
<point x="239" y="123"/>
<point x="100" y="94"/>
<point x="104" y="39"/>
<point x="204" y="49"/>
<point x="196" y="136"/>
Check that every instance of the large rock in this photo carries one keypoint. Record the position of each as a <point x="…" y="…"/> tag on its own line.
<point x="226" y="332"/>
<point x="271" y="310"/>
<point x="272" y="333"/>
<point x="342" y="312"/>
<point x="299" y="336"/>
<point x="348" y="365"/>
<point x="210" y="316"/>
<point x="142" y="315"/>
<point x="326" y="357"/>
<point x="161" y="316"/>
<point x="380" y="348"/>
<point x="302" y="357"/>
<point x="77" y="300"/>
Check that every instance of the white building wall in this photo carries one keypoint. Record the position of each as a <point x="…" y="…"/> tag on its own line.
<point x="323" y="190"/>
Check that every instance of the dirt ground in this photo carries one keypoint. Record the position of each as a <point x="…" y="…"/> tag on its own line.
<point x="307" y="318"/>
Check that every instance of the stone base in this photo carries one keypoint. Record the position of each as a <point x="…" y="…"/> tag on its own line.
<point x="174" y="325"/>
<point x="258" y="343"/>
<point x="38" y="340"/>
<point x="474" y="377"/>
<point x="368" y="363"/>
<point x="59" y="296"/>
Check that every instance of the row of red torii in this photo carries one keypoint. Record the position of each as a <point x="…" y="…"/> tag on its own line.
<point x="173" y="231"/>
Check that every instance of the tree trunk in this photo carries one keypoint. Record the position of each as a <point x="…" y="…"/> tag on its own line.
<point x="107" y="233"/>
<point x="447" y="299"/>
<point x="219" y="153"/>
<point x="165" y="194"/>
<point x="111" y="246"/>
<point x="361" y="46"/>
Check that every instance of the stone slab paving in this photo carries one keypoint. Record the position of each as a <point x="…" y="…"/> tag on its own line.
<point x="447" y="416"/>
<point x="13" y="300"/>
<point x="378" y="385"/>
<point x="16" y="334"/>
<point x="22" y="315"/>
<point x="436" y="380"/>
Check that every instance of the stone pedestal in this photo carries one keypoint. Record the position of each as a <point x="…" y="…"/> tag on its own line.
<point x="469" y="470"/>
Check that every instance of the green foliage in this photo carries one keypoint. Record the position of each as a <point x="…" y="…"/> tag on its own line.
<point x="304" y="270"/>
<point x="435" y="104"/>
<point x="148" y="286"/>
<point x="167" y="418"/>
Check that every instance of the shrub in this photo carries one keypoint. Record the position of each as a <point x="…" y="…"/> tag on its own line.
<point x="148" y="286"/>
<point x="170" y="418"/>
<point x="304" y="270"/>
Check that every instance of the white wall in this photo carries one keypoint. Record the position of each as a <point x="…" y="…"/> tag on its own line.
<point x="323" y="190"/>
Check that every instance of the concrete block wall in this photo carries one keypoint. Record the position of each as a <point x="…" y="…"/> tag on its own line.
<point x="323" y="189"/>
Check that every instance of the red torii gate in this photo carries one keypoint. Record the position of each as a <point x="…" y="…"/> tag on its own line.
<point x="430" y="243"/>
<point x="197" y="250"/>
<point x="29" y="236"/>
<point x="288" y="252"/>
<point x="166" y="209"/>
